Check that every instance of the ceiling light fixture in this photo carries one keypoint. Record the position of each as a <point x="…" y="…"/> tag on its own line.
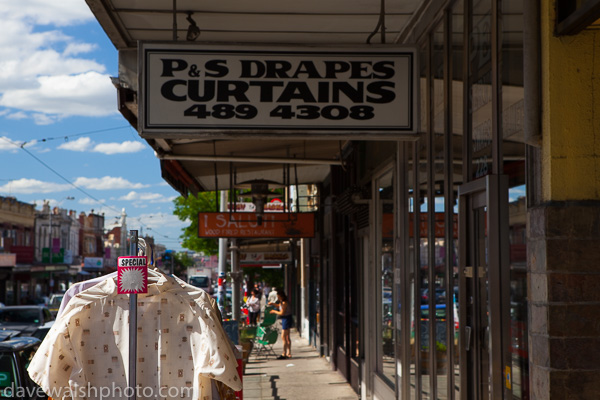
<point x="260" y="193"/>
<point x="193" y="31"/>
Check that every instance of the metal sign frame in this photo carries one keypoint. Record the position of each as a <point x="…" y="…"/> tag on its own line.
<point x="219" y="90"/>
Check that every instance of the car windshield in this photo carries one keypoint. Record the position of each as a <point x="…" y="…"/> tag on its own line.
<point x="55" y="301"/>
<point x="199" y="281"/>
<point x="19" y="316"/>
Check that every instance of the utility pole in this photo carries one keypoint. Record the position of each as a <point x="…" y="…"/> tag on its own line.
<point x="222" y="261"/>
<point x="236" y="281"/>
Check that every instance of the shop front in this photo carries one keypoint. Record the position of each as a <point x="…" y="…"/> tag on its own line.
<point x="415" y="282"/>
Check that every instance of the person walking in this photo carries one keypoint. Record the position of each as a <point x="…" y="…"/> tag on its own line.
<point x="285" y="314"/>
<point x="272" y="299"/>
<point x="253" y="304"/>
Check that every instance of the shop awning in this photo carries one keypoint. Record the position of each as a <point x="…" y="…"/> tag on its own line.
<point x="200" y="164"/>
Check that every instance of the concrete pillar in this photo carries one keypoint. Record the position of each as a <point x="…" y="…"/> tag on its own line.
<point x="564" y="227"/>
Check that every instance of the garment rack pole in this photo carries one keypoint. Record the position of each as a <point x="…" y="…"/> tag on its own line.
<point x="133" y="249"/>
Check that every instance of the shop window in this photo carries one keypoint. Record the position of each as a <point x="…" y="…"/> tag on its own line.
<point x="387" y="335"/>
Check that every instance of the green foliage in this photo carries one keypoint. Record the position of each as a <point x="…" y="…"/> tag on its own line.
<point x="271" y="277"/>
<point x="182" y="262"/>
<point x="187" y="209"/>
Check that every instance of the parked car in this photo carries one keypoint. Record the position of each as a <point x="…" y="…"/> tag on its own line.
<point x="440" y="325"/>
<point x="43" y="330"/>
<point x="25" y="319"/>
<point x="15" y="355"/>
<point x="54" y="303"/>
<point x="440" y="295"/>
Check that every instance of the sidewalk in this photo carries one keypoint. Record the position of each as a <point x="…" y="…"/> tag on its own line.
<point x="305" y="376"/>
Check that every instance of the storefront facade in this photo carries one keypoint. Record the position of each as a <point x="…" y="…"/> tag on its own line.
<point x="434" y="271"/>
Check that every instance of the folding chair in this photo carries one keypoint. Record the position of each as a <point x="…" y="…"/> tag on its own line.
<point x="264" y="341"/>
<point x="268" y="319"/>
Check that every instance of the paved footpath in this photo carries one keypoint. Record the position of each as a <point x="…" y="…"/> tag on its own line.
<point x="306" y="375"/>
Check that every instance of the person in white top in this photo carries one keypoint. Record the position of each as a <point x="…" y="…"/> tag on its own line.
<point x="272" y="297"/>
<point x="253" y="304"/>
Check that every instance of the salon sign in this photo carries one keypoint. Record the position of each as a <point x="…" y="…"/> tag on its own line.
<point x="237" y="91"/>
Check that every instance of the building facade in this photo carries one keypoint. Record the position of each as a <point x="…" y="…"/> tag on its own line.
<point x="16" y="246"/>
<point x="57" y="236"/>
<point x="91" y="243"/>
<point x="455" y="263"/>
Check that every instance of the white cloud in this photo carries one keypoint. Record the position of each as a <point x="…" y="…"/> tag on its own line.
<point x="107" y="183"/>
<point x="137" y="197"/>
<point x="160" y="220"/>
<point x="89" y="94"/>
<point x="17" y="115"/>
<point x="61" y="13"/>
<point x="78" y="48"/>
<point x="119" y="148"/>
<point x="81" y="144"/>
<point x="42" y="71"/>
<point x="86" y="144"/>
<point x="43" y="119"/>
<point x="30" y="186"/>
<point x="99" y="207"/>
<point x="88" y="201"/>
<point x="64" y="202"/>
<point x="7" y="144"/>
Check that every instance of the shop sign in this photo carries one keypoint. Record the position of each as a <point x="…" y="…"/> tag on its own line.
<point x="49" y="255"/>
<point x="273" y="206"/>
<point x="245" y="225"/>
<point x="267" y="257"/>
<point x="263" y="266"/>
<point x="268" y="91"/>
<point x="48" y="268"/>
<point x="93" y="263"/>
<point x="132" y="274"/>
<point x="8" y="260"/>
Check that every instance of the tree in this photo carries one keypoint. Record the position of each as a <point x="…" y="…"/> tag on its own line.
<point x="182" y="261"/>
<point x="187" y="209"/>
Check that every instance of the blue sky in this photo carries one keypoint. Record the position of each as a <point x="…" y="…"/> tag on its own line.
<point x="60" y="133"/>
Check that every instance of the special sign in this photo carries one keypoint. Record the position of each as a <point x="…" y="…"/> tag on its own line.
<point x="132" y="274"/>
<point x="203" y="89"/>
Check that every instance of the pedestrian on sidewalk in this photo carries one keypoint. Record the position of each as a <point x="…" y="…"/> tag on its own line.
<point x="285" y="314"/>
<point x="272" y="299"/>
<point x="253" y="304"/>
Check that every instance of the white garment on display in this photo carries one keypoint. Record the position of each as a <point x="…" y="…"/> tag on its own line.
<point x="181" y="344"/>
<point x="80" y="287"/>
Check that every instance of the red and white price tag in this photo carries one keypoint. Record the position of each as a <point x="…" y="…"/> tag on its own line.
<point x="132" y="274"/>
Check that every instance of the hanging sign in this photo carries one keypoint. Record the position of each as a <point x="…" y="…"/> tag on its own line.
<point x="245" y="225"/>
<point x="132" y="274"/>
<point x="267" y="91"/>
<point x="273" y="206"/>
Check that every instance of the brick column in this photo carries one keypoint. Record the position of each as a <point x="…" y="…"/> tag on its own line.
<point x="564" y="300"/>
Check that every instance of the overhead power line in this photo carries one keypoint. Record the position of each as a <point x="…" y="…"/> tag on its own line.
<point x="102" y="203"/>
<point x="66" y="137"/>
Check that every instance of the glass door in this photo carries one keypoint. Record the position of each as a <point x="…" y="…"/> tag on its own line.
<point x="484" y="279"/>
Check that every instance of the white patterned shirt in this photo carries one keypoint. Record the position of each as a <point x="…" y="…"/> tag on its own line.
<point x="181" y="346"/>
